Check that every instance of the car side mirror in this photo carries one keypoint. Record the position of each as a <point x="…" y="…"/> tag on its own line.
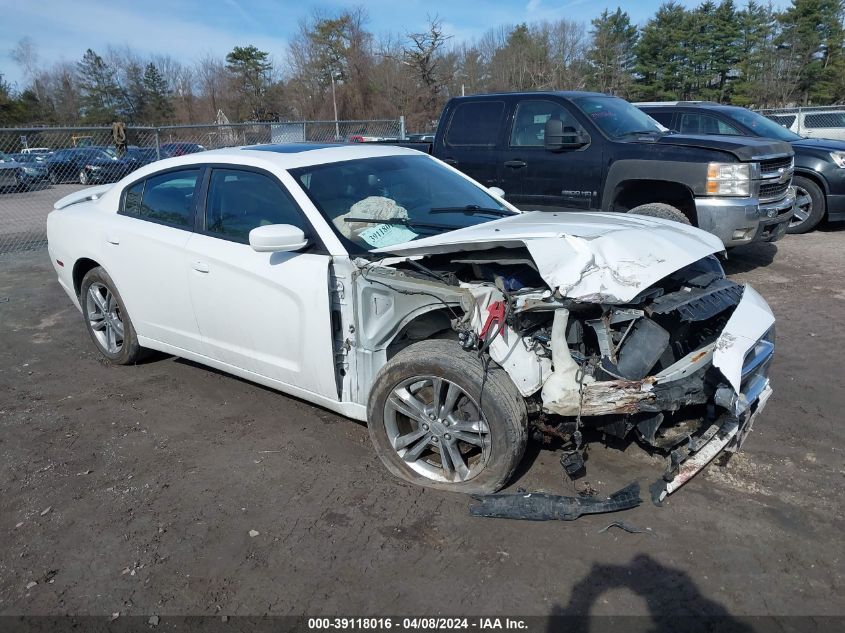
<point x="496" y="191"/>
<point x="277" y="238"/>
<point x="556" y="137"/>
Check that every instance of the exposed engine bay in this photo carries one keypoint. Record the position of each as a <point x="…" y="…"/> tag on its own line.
<point x="657" y="367"/>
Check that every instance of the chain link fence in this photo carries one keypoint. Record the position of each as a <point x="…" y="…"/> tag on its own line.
<point x="38" y="166"/>
<point x="812" y="121"/>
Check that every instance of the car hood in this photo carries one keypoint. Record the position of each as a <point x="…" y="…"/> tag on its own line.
<point x="828" y="144"/>
<point x="591" y="257"/>
<point x="745" y="148"/>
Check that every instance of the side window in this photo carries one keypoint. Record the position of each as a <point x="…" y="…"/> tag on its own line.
<point x="239" y="201"/>
<point x="167" y="198"/>
<point x="529" y="124"/>
<point x="705" y="124"/>
<point x="132" y="199"/>
<point x="828" y="119"/>
<point x="662" y="117"/>
<point x="476" y="123"/>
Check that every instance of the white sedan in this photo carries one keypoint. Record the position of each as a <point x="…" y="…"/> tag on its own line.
<point x="387" y="286"/>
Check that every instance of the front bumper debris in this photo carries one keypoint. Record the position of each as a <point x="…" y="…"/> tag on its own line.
<point x="539" y="506"/>
<point x="728" y="437"/>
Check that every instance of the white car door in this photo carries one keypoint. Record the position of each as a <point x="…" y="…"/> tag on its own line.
<point x="267" y="313"/>
<point x="145" y="246"/>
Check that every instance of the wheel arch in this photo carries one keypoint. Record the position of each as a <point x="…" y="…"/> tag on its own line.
<point x="424" y="323"/>
<point x="80" y="268"/>
<point x="816" y="178"/>
<point x="633" y="193"/>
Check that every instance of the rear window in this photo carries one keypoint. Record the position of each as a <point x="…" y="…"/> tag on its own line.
<point x="476" y="123"/>
<point x="166" y="199"/>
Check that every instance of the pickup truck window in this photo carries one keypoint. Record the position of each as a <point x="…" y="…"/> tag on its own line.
<point x="697" y="123"/>
<point x="475" y="123"/>
<point x="616" y="117"/>
<point x="530" y="122"/>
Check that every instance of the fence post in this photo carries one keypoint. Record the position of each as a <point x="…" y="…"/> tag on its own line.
<point x="402" y="127"/>
<point x="158" y="145"/>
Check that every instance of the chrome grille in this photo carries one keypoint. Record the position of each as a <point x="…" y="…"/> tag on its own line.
<point x="772" y="165"/>
<point x="772" y="191"/>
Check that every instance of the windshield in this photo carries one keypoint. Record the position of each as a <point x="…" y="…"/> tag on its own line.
<point x="379" y="202"/>
<point x="616" y="117"/>
<point x="760" y="125"/>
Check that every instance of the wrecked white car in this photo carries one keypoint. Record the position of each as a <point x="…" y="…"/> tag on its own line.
<point x="383" y="284"/>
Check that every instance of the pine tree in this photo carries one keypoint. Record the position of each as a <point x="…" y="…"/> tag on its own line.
<point x="612" y="54"/>
<point x="158" y="107"/>
<point x="250" y="67"/>
<point x="661" y="58"/>
<point x="101" y="100"/>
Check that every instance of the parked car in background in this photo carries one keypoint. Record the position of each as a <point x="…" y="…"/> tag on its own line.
<point x="11" y="173"/>
<point x="140" y="156"/>
<point x="86" y="165"/>
<point x="585" y="150"/>
<point x="169" y="150"/>
<point x="365" y="279"/>
<point x="33" y="166"/>
<point x="819" y="178"/>
<point x="36" y="150"/>
<point x="821" y="123"/>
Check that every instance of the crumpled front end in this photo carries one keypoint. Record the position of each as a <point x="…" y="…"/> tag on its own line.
<point x="624" y="327"/>
<point x="683" y="365"/>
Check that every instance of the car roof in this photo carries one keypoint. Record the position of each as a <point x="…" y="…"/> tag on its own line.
<point x="292" y="155"/>
<point x="285" y="156"/>
<point x="566" y="94"/>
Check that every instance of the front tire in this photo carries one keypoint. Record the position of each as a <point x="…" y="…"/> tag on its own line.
<point x="84" y="178"/>
<point x="107" y="320"/>
<point x="431" y="424"/>
<point x="662" y="211"/>
<point x="54" y="178"/>
<point x="809" y="206"/>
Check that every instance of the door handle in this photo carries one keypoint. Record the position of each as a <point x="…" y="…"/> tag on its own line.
<point x="515" y="164"/>
<point x="201" y="267"/>
<point x="450" y="161"/>
<point x="113" y="239"/>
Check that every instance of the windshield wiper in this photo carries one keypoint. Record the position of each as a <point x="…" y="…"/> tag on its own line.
<point x="472" y="209"/>
<point x="403" y="222"/>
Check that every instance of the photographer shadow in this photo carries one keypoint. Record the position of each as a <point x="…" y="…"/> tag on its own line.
<point x="674" y="602"/>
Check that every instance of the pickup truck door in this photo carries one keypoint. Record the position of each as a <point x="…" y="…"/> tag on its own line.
<point x="472" y="139"/>
<point x="536" y="178"/>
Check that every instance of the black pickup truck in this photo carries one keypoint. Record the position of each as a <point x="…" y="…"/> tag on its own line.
<point x="581" y="150"/>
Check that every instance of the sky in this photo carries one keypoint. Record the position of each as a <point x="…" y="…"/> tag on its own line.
<point x="190" y="29"/>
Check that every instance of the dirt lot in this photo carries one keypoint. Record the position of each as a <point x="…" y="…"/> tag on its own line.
<point x="134" y="489"/>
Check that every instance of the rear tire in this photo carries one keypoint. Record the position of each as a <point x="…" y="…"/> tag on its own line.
<point x="425" y="423"/>
<point x="662" y="211"/>
<point x="84" y="179"/>
<point x="812" y="206"/>
<point x="107" y="320"/>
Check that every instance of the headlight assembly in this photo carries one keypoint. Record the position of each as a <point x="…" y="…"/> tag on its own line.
<point x="729" y="179"/>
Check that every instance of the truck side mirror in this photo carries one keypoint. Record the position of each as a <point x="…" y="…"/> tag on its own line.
<point x="556" y="137"/>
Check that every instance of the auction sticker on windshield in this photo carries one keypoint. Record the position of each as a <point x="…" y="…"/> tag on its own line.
<point x="387" y="235"/>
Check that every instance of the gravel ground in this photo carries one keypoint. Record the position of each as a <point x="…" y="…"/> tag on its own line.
<point x="169" y="488"/>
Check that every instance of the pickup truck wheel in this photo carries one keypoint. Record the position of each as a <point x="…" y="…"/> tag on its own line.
<point x="106" y="318"/>
<point x="661" y="210"/>
<point x="809" y="206"/>
<point x="436" y="420"/>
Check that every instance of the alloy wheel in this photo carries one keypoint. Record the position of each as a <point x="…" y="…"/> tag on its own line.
<point x="802" y="209"/>
<point x="104" y="317"/>
<point x="437" y="429"/>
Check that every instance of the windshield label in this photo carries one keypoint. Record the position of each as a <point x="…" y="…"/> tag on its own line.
<point x="387" y="235"/>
